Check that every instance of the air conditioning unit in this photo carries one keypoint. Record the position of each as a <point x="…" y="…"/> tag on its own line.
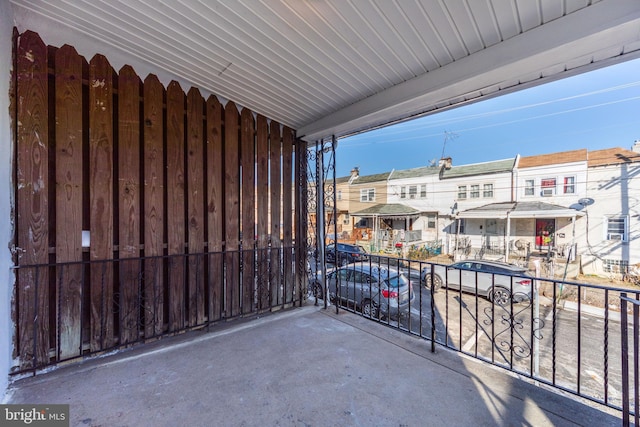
<point x="546" y="192"/>
<point x="614" y="236"/>
<point x="412" y="196"/>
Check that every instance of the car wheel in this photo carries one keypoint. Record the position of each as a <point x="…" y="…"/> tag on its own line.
<point x="437" y="282"/>
<point x="369" y="309"/>
<point x="500" y="296"/>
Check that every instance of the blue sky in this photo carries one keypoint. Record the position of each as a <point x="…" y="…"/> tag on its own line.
<point x="595" y="110"/>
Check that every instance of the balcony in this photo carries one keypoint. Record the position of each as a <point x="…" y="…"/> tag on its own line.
<point x="513" y="364"/>
<point x="306" y="366"/>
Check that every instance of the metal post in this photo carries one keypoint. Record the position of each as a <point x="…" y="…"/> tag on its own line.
<point x="320" y="233"/>
<point x="625" y="359"/>
<point x="536" y="315"/>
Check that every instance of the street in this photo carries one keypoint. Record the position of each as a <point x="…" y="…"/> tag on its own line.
<point x="582" y="354"/>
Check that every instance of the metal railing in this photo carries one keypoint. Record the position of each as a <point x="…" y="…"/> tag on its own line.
<point x="562" y="334"/>
<point x="629" y="378"/>
<point x="67" y="311"/>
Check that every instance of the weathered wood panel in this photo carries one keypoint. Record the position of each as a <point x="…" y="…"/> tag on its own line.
<point x="248" y="164"/>
<point x="215" y="210"/>
<point x="262" y="200"/>
<point x="176" y="205"/>
<point x="32" y="201"/>
<point x="287" y="212"/>
<point x="195" y="202"/>
<point x="153" y="206"/>
<point x="101" y="201"/>
<point x="129" y="87"/>
<point x="219" y="178"/>
<point x="275" y="182"/>
<point x="69" y="200"/>
<point x="232" y="209"/>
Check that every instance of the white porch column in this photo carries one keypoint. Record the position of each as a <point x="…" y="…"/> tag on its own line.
<point x="507" y="237"/>
<point x="6" y="151"/>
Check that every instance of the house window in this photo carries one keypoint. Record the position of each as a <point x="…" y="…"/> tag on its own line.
<point x="423" y="191"/>
<point x="339" y="195"/>
<point x="403" y="192"/>
<point x="413" y="191"/>
<point x="529" y="187"/>
<point x="617" y="228"/>
<point x="569" y="185"/>
<point x="368" y="195"/>
<point x="462" y="192"/>
<point x="548" y="186"/>
<point x="458" y="226"/>
<point x="475" y="192"/>
<point x="431" y="221"/>
<point x="487" y="191"/>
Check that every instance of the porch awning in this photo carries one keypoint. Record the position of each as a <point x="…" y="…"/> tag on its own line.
<point x="520" y="210"/>
<point x="391" y="210"/>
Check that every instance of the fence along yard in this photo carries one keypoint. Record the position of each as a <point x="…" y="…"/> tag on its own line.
<point x="164" y="182"/>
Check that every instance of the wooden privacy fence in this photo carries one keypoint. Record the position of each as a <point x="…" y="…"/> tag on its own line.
<point x="186" y="207"/>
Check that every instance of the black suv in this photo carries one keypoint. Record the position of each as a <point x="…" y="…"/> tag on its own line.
<point x="346" y="254"/>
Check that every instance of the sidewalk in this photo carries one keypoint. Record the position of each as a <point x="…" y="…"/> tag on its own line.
<point x="303" y="367"/>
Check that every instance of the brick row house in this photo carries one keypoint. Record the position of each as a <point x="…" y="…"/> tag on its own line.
<point x="580" y="206"/>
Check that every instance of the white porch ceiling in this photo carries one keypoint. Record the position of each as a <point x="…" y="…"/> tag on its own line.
<point x="338" y="67"/>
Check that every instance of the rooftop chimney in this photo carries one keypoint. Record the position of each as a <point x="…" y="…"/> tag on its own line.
<point x="355" y="173"/>
<point x="445" y="162"/>
<point x="636" y="146"/>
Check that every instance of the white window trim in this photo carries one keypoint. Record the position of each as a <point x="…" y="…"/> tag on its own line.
<point x="493" y="190"/>
<point x="572" y="185"/>
<point x="364" y="195"/>
<point x="526" y="187"/>
<point x="471" y="191"/>
<point x="608" y="236"/>
<point x="554" y="189"/>
<point x="466" y="192"/>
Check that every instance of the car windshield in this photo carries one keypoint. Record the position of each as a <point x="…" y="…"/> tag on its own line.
<point x="397" y="281"/>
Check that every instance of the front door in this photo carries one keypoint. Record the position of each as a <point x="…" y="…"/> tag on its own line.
<point x="545" y="233"/>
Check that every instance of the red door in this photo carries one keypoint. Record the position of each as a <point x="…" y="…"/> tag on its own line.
<point x="545" y="233"/>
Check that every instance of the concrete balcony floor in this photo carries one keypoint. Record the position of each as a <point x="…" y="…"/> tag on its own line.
<point x="302" y="367"/>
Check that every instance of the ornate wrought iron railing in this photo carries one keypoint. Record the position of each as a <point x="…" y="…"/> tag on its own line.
<point x="563" y="333"/>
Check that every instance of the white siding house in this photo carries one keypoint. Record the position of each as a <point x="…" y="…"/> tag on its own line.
<point x="612" y="232"/>
<point x="466" y="187"/>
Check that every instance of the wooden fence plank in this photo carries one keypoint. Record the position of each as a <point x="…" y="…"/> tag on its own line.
<point x="287" y="212"/>
<point x="232" y="209"/>
<point x="274" y="156"/>
<point x="153" y="206"/>
<point x="32" y="200"/>
<point x="98" y="165"/>
<point x="215" y="210"/>
<point x="129" y="207"/>
<point x="101" y="200"/>
<point x="69" y="201"/>
<point x="195" y="199"/>
<point x="176" y="205"/>
<point x="262" y="200"/>
<point x="248" y="163"/>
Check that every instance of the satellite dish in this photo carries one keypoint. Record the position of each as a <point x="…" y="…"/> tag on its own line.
<point x="587" y="201"/>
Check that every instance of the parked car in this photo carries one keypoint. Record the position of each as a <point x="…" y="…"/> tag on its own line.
<point x="346" y="254"/>
<point x="375" y="289"/>
<point x="492" y="279"/>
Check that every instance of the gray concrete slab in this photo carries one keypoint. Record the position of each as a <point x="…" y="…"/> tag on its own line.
<point x="304" y="367"/>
